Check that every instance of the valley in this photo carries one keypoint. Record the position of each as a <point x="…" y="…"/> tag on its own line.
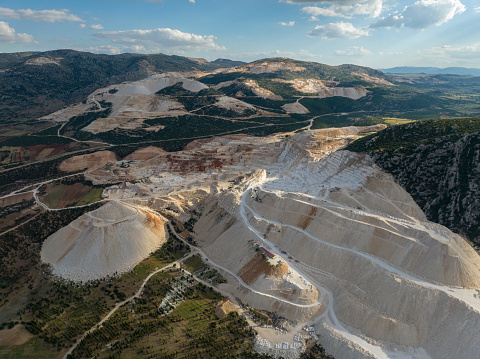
<point x="262" y="210"/>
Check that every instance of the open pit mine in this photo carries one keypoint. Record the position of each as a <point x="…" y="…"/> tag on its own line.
<point x="297" y="226"/>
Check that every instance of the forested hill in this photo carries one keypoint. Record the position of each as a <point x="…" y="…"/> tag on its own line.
<point x="33" y="84"/>
<point x="438" y="163"/>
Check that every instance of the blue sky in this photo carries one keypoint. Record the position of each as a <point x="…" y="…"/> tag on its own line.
<point x="376" y="33"/>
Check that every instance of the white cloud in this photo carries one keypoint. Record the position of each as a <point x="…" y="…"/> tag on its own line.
<point x="466" y="55"/>
<point x="422" y="14"/>
<point x="96" y="27"/>
<point x="38" y="15"/>
<point x="192" y="1"/>
<point x="104" y="49"/>
<point x="477" y="9"/>
<point x="338" y="30"/>
<point x="161" y="39"/>
<point x="8" y="35"/>
<point x="249" y="56"/>
<point x="83" y="26"/>
<point x="290" y="23"/>
<point x="346" y="9"/>
<point x="354" y="51"/>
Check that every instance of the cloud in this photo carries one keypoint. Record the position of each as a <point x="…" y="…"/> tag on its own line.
<point x="422" y="14"/>
<point x="192" y="1"/>
<point x="346" y="9"/>
<point x="477" y="9"/>
<point x="354" y="51"/>
<point x="248" y="56"/>
<point x="96" y="27"/>
<point x="161" y="39"/>
<point x="454" y="54"/>
<point x="338" y="30"/>
<point x="9" y="36"/>
<point x="290" y="23"/>
<point x="105" y="49"/>
<point x="38" y="15"/>
<point x="83" y="26"/>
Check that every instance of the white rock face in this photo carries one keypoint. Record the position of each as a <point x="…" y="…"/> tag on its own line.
<point x="360" y="262"/>
<point x="108" y="241"/>
<point x="390" y="283"/>
<point x="295" y="107"/>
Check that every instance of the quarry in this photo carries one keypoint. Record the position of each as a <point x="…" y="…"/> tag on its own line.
<point x="296" y="225"/>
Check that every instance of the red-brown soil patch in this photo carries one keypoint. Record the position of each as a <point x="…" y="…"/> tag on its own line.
<point x="58" y="148"/>
<point x="306" y="220"/>
<point x="73" y="194"/>
<point x="8" y="201"/>
<point x="154" y="223"/>
<point x="90" y="161"/>
<point x="145" y="153"/>
<point x="258" y="266"/>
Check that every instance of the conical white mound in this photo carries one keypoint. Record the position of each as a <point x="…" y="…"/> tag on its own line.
<point x="107" y="241"/>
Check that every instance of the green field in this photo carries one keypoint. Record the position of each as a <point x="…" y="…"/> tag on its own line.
<point x="93" y="196"/>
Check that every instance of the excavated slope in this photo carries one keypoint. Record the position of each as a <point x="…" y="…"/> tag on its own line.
<point x="107" y="241"/>
<point x="387" y="283"/>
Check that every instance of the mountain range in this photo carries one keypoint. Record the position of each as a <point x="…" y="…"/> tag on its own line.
<point x="461" y="71"/>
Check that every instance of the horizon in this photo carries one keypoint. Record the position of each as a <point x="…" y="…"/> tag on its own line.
<point x="373" y="33"/>
<point x="223" y="58"/>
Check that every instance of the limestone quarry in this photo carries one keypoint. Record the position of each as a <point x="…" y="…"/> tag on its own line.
<point x="297" y="226"/>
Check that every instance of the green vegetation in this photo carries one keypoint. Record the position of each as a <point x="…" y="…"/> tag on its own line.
<point x="192" y="126"/>
<point x="320" y="106"/>
<point x="94" y="195"/>
<point x="35" y="348"/>
<point x="437" y="162"/>
<point x="72" y="191"/>
<point x="191" y="330"/>
<point x="414" y="134"/>
<point x="30" y="92"/>
<point x="58" y="312"/>
<point x="32" y="140"/>
<point x="316" y="352"/>
<point x="397" y="121"/>
<point x="279" y="88"/>
<point x="51" y="131"/>
<point x="76" y="123"/>
<point x="197" y="266"/>
<point x="36" y="172"/>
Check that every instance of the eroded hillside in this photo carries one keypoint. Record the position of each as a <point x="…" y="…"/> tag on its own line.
<point x="323" y="237"/>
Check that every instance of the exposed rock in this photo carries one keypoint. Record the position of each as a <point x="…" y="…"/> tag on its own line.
<point x="224" y="308"/>
<point x="372" y="79"/>
<point x="269" y="67"/>
<point x="295" y="107"/>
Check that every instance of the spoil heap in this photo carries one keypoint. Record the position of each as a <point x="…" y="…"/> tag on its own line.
<point x="107" y="241"/>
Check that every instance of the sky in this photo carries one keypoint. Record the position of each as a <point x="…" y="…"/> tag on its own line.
<point x="375" y="33"/>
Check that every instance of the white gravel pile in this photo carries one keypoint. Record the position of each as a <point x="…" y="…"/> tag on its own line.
<point x="108" y="241"/>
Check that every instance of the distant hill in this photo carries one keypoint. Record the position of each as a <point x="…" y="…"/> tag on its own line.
<point x="462" y="71"/>
<point x="33" y="84"/>
<point x="227" y="63"/>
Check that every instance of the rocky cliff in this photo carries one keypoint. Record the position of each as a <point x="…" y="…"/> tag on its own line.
<point x="438" y="163"/>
